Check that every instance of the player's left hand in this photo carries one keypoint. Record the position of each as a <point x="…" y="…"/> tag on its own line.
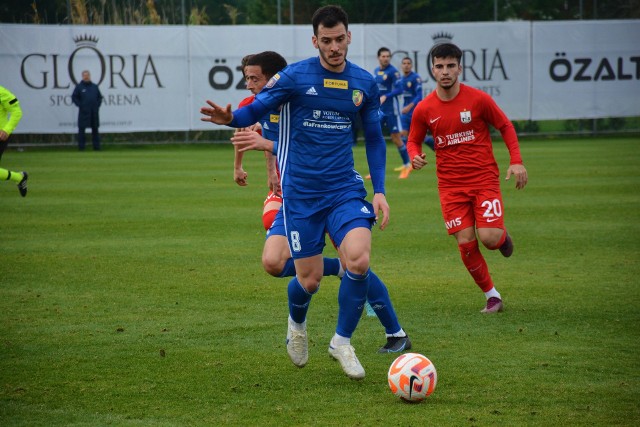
<point x="520" y="173"/>
<point x="380" y="205"/>
<point x="3" y="135"/>
<point x="216" y="114"/>
<point x="246" y="140"/>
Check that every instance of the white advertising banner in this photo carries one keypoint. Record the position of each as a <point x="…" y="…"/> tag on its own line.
<point x="141" y="71"/>
<point x="156" y="78"/>
<point x="496" y="56"/>
<point x="216" y="53"/>
<point x="586" y="69"/>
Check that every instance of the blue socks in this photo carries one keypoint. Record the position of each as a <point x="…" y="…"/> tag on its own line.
<point x="299" y="300"/>
<point x="404" y="154"/>
<point x="289" y="269"/>
<point x="351" y="298"/>
<point x="378" y="298"/>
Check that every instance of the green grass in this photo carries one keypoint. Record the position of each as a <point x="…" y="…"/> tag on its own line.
<point x="131" y="293"/>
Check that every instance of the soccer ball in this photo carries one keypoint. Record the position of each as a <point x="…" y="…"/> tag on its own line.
<point x="412" y="377"/>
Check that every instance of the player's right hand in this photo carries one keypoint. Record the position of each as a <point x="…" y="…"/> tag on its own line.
<point x="419" y="161"/>
<point x="240" y="177"/>
<point x="216" y="114"/>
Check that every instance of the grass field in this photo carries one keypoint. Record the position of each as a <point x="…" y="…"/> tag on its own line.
<point x="131" y="293"/>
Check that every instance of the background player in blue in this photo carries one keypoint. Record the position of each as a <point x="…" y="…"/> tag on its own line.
<point x="388" y="80"/>
<point x="320" y="98"/>
<point x="411" y="95"/>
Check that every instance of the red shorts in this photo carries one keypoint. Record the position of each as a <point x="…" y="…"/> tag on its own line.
<point x="272" y="197"/>
<point x="468" y="208"/>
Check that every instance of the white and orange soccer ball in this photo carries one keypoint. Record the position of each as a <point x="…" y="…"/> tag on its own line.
<point x="412" y="377"/>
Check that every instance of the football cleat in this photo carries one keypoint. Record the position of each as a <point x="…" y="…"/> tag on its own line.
<point x="405" y="172"/>
<point x="346" y="355"/>
<point x="22" y="185"/>
<point x="396" y="345"/>
<point x="297" y="347"/>
<point x="494" y="305"/>
<point x="507" y="247"/>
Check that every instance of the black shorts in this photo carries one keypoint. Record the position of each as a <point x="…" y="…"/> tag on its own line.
<point x="3" y="146"/>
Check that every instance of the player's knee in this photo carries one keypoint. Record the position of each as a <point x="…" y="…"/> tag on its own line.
<point x="490" y="240"/>
<point x="272" y="265"/>
<point x="359" y="265"/>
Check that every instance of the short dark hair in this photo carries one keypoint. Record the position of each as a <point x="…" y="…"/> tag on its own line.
<point x="243" y="62"/>
<point x="383" y="49"/>
<point x="407" y="58"/>
<point x="271" y="62"/>
<point x="329" y="16"/>
<point x="445" y="50"/>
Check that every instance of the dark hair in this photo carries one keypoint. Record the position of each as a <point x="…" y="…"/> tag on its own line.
<point x="271" y="62"/>
<point x="243" y="62"/>
<point x="383" y="49"/>
<point x="445" y="50"/>
<point x="406" y="57"/>
<point x="329" y="16"/>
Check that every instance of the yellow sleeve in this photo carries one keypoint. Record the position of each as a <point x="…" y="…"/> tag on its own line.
<point x="10" y="109"/>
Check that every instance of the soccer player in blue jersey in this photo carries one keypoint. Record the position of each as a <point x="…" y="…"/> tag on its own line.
<point x="389" y="84"/>
<point x="411" y="95"/>
<point x="320" y="98"/>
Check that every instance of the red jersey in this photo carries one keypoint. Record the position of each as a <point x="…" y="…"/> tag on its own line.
<point x="462" y="142"/>
<point x="248" y="100"/>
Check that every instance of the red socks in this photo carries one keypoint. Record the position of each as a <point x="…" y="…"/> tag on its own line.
<point x="477" y="266"/>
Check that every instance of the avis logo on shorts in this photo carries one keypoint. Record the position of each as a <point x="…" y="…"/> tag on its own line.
<point x="456" y="222"/>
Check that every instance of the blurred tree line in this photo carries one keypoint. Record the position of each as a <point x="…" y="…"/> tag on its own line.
<point x="255" y="12"/>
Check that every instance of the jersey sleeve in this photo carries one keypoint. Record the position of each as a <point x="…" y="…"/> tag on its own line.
<point x="272" y="95"/>
<point x="418" y="89"/>
<point x="12" y="105"/>
<point x="248" y="115"/>
<point x="375" y="144"/>
<point x="499" y="120"/>
<point x="396" y="88"/>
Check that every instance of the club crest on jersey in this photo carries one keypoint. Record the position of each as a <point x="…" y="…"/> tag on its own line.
<point x="317" y="114"/>
<point x="272" y="81"/>
<point x="357" y="97"/>
<point x="465" y="117"/>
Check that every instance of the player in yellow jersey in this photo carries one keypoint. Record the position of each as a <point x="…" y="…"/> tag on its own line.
<point x="10" y="115"/>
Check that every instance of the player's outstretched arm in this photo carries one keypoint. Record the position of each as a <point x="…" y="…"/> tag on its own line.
<point x="216" y="114"/>
<point x="520" y="173"/>
<point x="380" y="205"/>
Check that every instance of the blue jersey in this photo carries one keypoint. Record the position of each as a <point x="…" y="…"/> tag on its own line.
<point x="318" y="109"/>
<point x="411" y="90"/>
<point x="270" y="123"/>
<point x="388" y="81"/>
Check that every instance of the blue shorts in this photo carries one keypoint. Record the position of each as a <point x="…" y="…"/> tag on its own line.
<point x="306" y="221"/>
<point x="277" y="227"/>
<point x="392" y="122"/>
<point x="405" y="120"/>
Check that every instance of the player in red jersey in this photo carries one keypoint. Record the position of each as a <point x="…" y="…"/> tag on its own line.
<point x="458" y="116"/>
<point x="255" y="79"/>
